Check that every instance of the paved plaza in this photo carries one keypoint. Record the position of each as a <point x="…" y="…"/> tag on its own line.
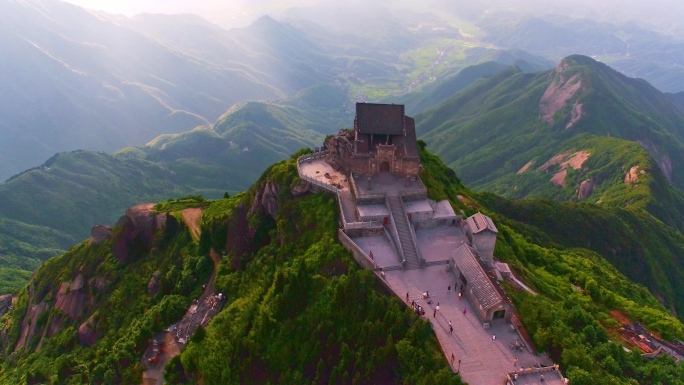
<point x="484" y="361"/>
<point x="318" y="168"/>
<point x="480" y="358"/>
<point x="439" y="243"/>
<point x="383" y="252"/>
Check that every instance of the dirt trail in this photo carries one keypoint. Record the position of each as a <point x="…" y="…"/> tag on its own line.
<point x="192" y="218"/>
<point x="201" y="312"/>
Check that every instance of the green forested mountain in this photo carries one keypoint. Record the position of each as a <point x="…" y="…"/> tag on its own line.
<point x="579" y="132"/>
<point x="47" y="209"/>
<point x="298" y="309"/>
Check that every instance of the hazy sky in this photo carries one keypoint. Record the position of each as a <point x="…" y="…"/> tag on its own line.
<point x="227" y="13"/>
<point x="657" y="14"/>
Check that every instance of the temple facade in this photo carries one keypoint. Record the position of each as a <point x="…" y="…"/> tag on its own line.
<point x="383" y="140"/>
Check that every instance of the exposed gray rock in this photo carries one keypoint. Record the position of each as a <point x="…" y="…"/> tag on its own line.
<point x="71" y="302"/>
<point x="99" y="234"/>
<point x="87" y="336"/>
<point x="5" y="303"/>
<point x="267" y="199"/>
<point x="153" y="285"/>
<point x="586" y="188"/>
<point x="300" y="189"/>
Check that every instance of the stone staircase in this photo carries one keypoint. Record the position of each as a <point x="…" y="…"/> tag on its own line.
<point x="405" y="239"/>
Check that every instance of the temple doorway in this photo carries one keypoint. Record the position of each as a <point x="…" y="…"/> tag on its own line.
<point x="384" y="166"/>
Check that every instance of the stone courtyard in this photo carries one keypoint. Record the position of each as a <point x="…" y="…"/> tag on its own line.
<point x="482" y="360"/>
<point x="422" y="250"/>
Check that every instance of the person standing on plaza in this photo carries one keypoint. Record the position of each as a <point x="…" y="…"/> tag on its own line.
<point x="449" y="289"/>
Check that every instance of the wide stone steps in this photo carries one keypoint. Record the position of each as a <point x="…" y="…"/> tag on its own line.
<point x="406" y="243"/>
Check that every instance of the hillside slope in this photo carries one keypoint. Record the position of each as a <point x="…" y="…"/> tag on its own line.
<point x="298" y="309"/>
<point x="563" y="134"/>
<point x="75" y="79"/>
<point x="51" y="206"/>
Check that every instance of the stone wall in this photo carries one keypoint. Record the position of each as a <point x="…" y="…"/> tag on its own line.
<point x="359" y="256"/>
<point x="341" y="157"/>
<point x="485" y="243"/>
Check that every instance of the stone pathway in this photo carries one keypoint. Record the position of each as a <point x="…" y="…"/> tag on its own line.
<point x="483" y="361"/>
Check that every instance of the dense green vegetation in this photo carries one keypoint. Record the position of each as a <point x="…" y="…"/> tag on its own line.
<point x="491" y="130"/>
<point x="13" y="280"/>
<point x="555" y="248"/>
<point x="298" y="310"/>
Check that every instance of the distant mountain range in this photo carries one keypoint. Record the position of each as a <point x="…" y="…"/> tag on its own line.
<point x="627" y="47"/>
<point x="47" y="209"/>
<point x="74" y="79"/>
<point x="580" y="132"/>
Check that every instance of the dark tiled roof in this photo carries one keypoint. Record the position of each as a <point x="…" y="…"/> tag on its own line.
<point x="380" y="118"/>
<point x="467" y="264"/>
<point x="480" y="222"/>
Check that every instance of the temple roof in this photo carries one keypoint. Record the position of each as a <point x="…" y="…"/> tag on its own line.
<point x="480" y="222"/>
<point x="482" y="287"/>
<point x="384" y="119"/>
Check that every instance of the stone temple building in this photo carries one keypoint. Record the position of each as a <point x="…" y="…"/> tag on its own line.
<point x="487" y="300"/>
<point x="383" y="139"/>
<point x="482" y="234"/>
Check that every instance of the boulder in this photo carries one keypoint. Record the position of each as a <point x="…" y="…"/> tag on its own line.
<point x="267" y="199"/>
<point x="99" y="234"/>
<point x="73" y="303"/>
<point x="87" y="336"/>
<point x="586" y="188"/>
<point x="300" y="189"/>
<point x="138" y="229"/>
<point x="77" y="284"/>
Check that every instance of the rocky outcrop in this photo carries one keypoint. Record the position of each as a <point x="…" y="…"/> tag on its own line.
<point x="138" y="229"/>
<point x="72" y="303"/>
<point x="562" y="90"/>
<point x="558" y="178"/>
<point x="632" y="175"/>
<point x="5" y="303"/>
<point x="29" y="324"/>
<point x="99" y="234"/>
<point x="267" y="199"/>
<point x="663" y="160"/>
<point x="586" y="188"/>
<point x="153" y="284"/>
<point x="87" y="335"/>
<point x="300" y="189"/>
<point x="525" y="167"/>
<point x="340" y="149"/>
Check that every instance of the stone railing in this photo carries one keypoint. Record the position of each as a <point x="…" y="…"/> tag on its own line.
<point x="307" y="158"/>
<point x="395" y="234"/>
<point x="310" y="157"/>
<point x="394" y="246"/>
<point x="413" y="234"/>
<point x="366" y="198"/>
<point x="353" y="225"/>
<point x="362" y="225"/>
<point x="551" y="371"/>
<point x="359" y="255"/>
